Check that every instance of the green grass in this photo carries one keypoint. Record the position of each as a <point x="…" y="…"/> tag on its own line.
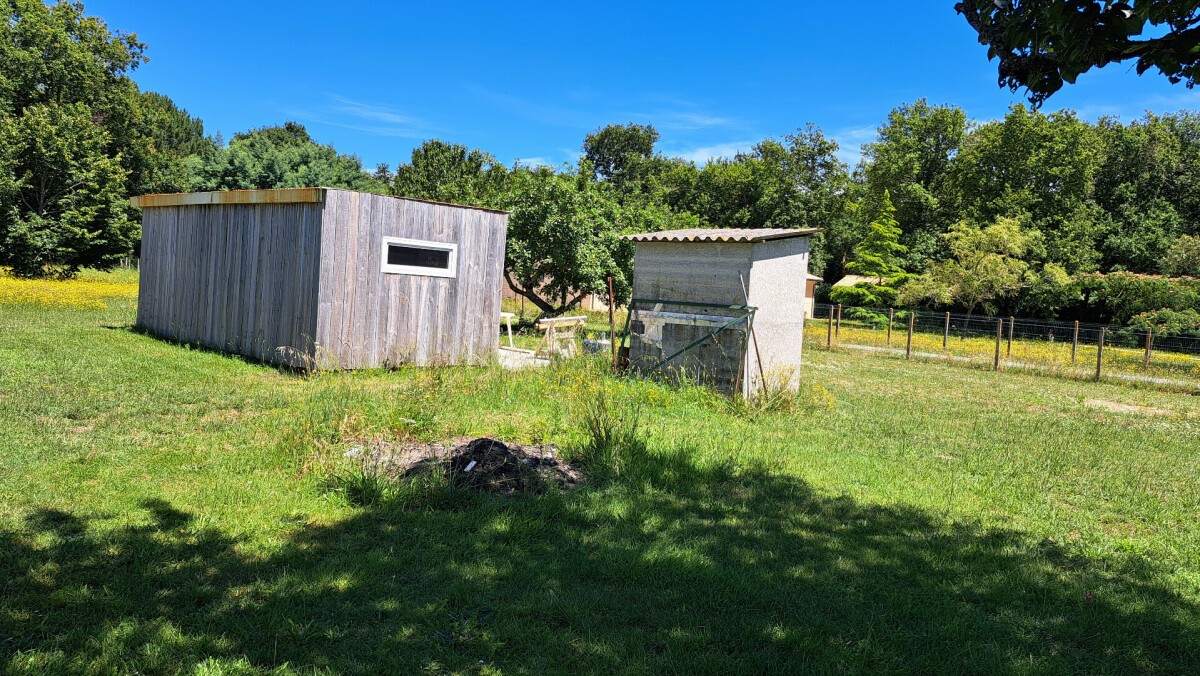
<point x="1180" y="370"/>
<point x="169" y="509"/>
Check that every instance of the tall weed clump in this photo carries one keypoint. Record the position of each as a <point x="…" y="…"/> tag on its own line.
<point x="613" y="447"/>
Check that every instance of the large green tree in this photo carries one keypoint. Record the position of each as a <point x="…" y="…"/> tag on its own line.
<point x="75" y="143"/>
<point x="1042" y="44"/>
<point x="986" y="265"/>
<point x="912" y="159"/>
<point x="449" y="172"/>
<point x="564" y="239"/>
<point x="282" y="156"/>
<point x="1040" y="169"/>
<point x="616" y="152"/>
<point x="62" y="201"/>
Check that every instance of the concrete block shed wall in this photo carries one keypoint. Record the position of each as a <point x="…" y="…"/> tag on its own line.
<point x="699" y="273"/>
<point x="295" y="277"/>
<point x="238" y="278"/>
<point x="370" y="318"/>
<point x="778" y="289"/>
<point x="774" y="272"/>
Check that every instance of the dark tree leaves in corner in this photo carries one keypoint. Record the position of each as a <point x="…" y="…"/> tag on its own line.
<point x="1042" y="44"/>
<point x="77" y="138"/>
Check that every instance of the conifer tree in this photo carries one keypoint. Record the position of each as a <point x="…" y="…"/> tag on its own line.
<point x="878" y="254"/>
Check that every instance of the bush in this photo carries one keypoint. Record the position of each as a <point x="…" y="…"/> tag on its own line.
<point x="1120" y="296"/>
<point x="1168" y="322"/>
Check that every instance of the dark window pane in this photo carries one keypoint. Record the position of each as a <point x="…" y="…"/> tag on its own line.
<point x="398" y="254"/>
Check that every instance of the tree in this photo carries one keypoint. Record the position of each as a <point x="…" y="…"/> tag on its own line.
<point x="1183" y="258"/>
<point x="612" y="151"/>
<point x="157" y="148"/>
<point x="878" y="254"/>
<point x="913" y="158"/>
<point x="72" y="142"/>
<point x="61" y="195"/>
<point x="986" y="265"/>
<point x="564" y="239"/>
<point x="1040" y="169"/>
<point x="1042" y="44"/>
<point x="449" y="172"/>
<point x="277" y="157"/>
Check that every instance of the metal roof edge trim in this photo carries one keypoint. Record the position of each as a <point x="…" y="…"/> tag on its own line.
<point x="268" y="196"/>
<point x="716" y="238"/>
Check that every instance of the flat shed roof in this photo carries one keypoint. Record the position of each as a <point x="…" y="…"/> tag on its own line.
<point x="723" y="234"/>
<point x="273" y="196"/>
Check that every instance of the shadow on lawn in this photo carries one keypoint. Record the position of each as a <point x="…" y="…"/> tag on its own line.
<point x="747" y="573"/>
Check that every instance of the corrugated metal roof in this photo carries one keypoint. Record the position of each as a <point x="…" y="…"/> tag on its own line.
<point x="272" y="196"/>
<point x="851" y="280"/>
<point x="722" y="234"/>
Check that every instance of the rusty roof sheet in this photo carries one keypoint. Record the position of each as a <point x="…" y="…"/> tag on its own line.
<point x="272" y="196"/>
<point x="722" y="234"/>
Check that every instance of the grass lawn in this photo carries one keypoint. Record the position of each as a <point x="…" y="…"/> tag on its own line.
<point x="1118" y="362"/>
<point x="168" y="509"/>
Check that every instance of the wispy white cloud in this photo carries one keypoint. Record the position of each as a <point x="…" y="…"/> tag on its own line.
<point x="850" y="141"/>
<point x="370" y="118"/>
<point x="680" y="120"/>
<point x="534" y="162"/>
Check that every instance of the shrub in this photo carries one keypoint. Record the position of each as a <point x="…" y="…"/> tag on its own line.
<point x="1168" y="322"/>
<point x="1120" y="296"/>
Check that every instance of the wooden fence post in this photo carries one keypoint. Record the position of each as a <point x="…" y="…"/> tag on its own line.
<point x="837" y="330"/>
<point x="1149" y="342"/>
<point x="912" y="316"/>
<point x="891" y="316"/>
<point x="1075" y="341"/>
<point x="946" y="333"/>
<point x="612" y="323"/>
<point x="1100" y="352"/>
<point x="999" y="337"/>
<point x="1012" y="322"/>
<point x="829" y="332"/>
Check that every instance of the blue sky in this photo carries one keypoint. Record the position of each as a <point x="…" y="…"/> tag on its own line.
<point x="529" y="80"/>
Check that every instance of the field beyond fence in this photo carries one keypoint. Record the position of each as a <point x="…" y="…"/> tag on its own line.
<point x="1065" y="349"/>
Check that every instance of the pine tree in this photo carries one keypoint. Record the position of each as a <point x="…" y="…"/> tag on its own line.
<point x="878" y="254"/>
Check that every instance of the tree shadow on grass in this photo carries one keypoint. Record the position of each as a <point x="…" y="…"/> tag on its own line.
<point x="709" y="572"/>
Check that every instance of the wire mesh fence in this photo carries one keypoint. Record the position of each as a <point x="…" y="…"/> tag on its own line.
<point x="1070" y="349"/>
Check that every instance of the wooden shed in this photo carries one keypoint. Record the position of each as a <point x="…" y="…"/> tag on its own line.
<point x="698" y="293"/>
<point x="323" y="278"/>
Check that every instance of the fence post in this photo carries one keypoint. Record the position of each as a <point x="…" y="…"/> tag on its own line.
<point x="1075" y="341"/>
<point x="912" y="316"/>
<point x="1100" y="352"/>
<point x="837" y="330"/>
<point x="999" y="337"/>
<point x="1149" y="342"/>
<point x="829" y="331"/>
<point x="891" y="316"/>
<point x="1012" y="322"/>
<point x="946" y="333"/>
<point x="612" y="323"/>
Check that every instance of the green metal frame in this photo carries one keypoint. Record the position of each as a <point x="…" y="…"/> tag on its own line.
<point x="748" y="317"/>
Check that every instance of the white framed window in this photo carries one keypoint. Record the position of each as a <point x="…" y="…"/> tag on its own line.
<point x="419" y="257"/>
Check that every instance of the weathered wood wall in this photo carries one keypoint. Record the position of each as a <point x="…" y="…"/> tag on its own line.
<point x="370" y="318"/>
<point x="240" y="278"/>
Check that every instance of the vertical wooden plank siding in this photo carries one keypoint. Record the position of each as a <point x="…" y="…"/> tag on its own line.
<point x="301" y="283"/>
<point x="369" y="318"/>
<point x="234" y="277"/>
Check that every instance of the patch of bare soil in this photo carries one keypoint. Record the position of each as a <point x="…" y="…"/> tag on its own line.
<point x="482" y="464"/>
